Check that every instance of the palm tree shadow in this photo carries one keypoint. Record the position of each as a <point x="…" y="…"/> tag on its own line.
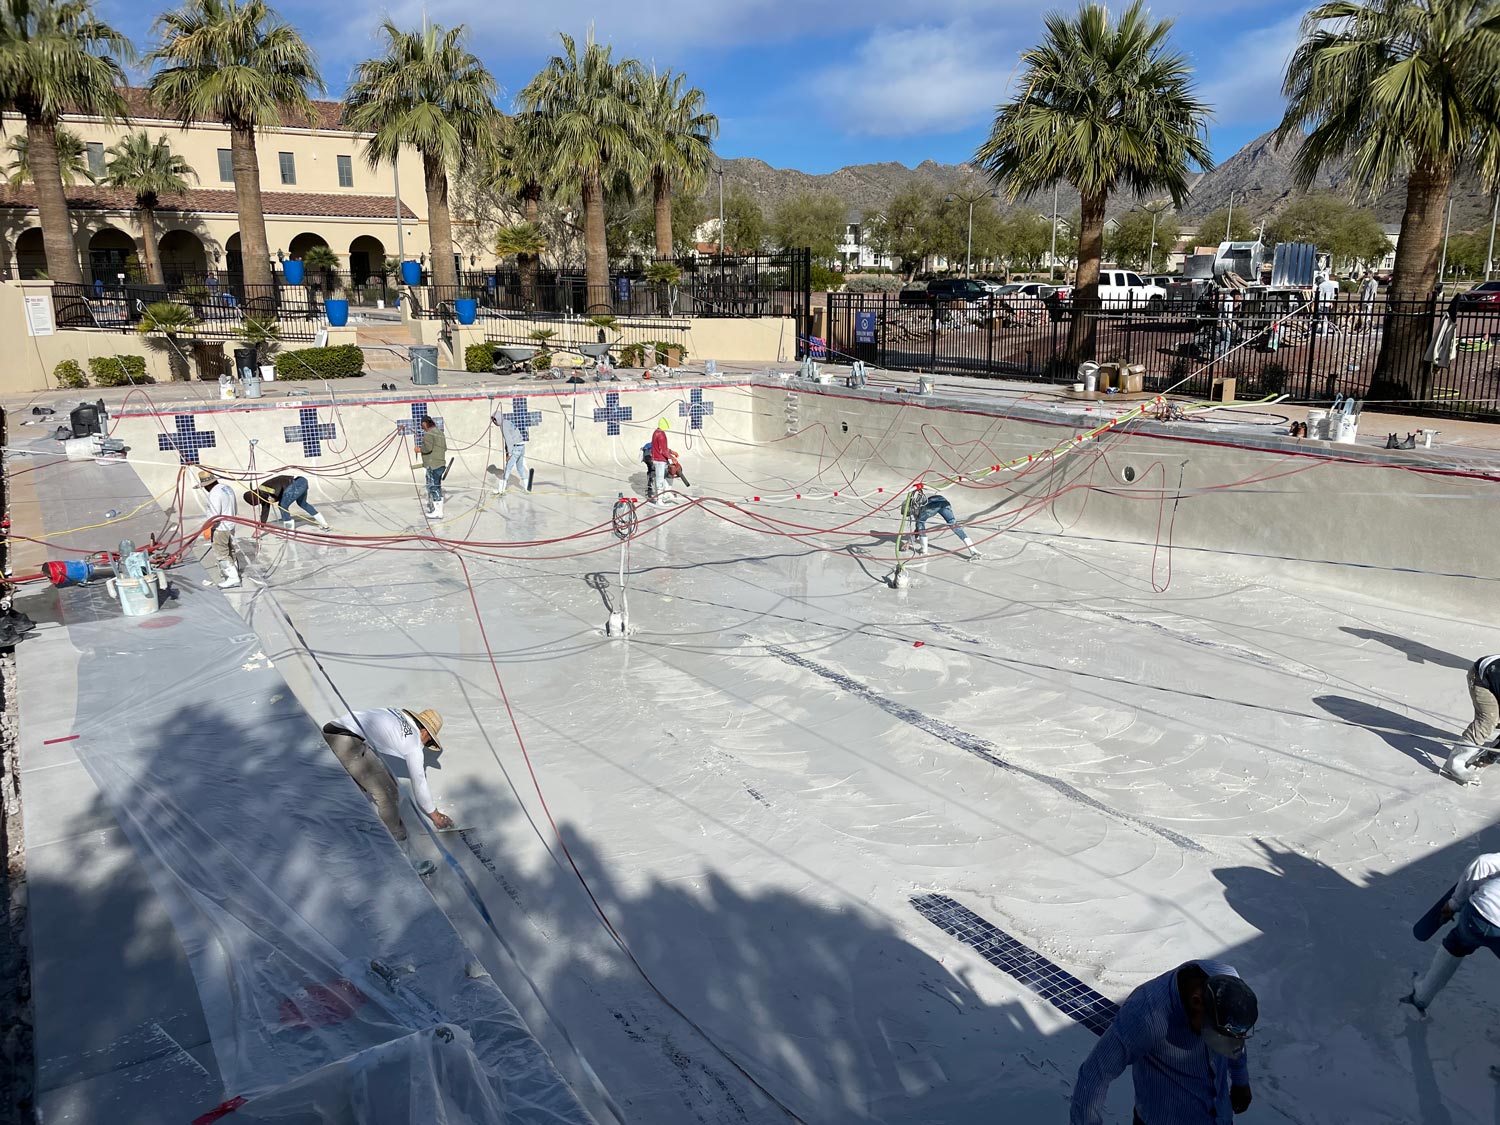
<point x="1423" y="743"/>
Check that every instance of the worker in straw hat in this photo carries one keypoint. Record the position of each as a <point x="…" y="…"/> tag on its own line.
<point x="365" y="742"/>
<point x="221" y="507"/>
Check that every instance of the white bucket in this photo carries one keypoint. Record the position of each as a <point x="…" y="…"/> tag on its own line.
<point x="924" y="385"/>
<point x="1317" y="424"/>
<point x="138" y="596"/>
<point x="1347" y="427"/>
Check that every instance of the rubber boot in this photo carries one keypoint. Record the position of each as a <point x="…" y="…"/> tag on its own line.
<point x="1458" y="767"/>
<point x="921" y="544"/>
<point x="436" y="512"/>
<point x="231" y="576"/>
<point x="321" y="522"/>
<point x="1439" y="973"/>
<point x="964" y="539"/>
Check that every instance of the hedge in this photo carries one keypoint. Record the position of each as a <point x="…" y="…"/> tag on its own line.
<point x="479" y="357"/>
<point x="342" y="361"/>
<point x="118" y="370"/>
<point x="69" y="374"/>
<point x="878" y="283"/>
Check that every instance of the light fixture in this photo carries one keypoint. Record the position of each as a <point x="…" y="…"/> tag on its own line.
<point x="280" y="257"/>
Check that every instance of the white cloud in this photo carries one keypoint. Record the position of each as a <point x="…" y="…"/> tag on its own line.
<point x="905" y="81"/>
<point x="1242" y="79"/>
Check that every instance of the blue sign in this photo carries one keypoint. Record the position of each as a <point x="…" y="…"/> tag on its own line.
<point x="864" y="327"/>
<point x="622" y="289"/>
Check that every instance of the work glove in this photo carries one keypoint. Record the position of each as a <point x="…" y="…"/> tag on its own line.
<point x="1239" y="1098"/>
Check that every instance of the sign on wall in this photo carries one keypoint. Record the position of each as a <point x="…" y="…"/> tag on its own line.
<point x="39" y="315"/>
<point x="864" y="326"/>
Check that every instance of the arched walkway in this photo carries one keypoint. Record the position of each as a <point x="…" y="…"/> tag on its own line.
<point x="184" y="260"/>
<point x="31" y="255"/>
<point x="366" y="258"/>
<point x="300" y="245"/>
<point x="112" y="253"/>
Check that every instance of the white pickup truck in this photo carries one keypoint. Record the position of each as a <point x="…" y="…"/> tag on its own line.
<point x="1121" y="289"/>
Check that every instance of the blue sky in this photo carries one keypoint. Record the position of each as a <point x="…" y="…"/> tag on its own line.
<point x="816" y="84"/>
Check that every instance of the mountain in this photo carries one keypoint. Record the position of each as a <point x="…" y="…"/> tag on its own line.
<point x="1259" y="176"/>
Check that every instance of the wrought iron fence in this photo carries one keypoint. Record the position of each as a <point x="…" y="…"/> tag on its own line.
<point x="1270" y="343"/>
<point x="296" y="311"/>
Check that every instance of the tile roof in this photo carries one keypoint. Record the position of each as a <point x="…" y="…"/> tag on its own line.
<point x="138" y="104"/>
<point x="213" y="201"/>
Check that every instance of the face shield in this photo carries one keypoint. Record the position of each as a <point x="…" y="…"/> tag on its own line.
<point x="1229" y="1046"/>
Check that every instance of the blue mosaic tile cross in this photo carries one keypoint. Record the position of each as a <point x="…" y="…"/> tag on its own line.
<point x="694" y="409"/>
<point x="310" y="432"/>
<point x="1054" y="984"/>
<point x="612" y="413"/>
<point x="188" y="439"/>
<point x="412" y="427"/>
<point x="524" y="419"/>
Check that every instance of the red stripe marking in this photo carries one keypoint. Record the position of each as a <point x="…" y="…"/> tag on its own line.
<point x="55" y="741"/>
<point x="223" y="1109"/>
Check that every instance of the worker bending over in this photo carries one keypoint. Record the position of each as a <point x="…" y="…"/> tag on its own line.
<point x="221" y="508"/>
<point x="920" y="506"/>
<point x="1484" y="691"/>
<point x="284" y="491"/>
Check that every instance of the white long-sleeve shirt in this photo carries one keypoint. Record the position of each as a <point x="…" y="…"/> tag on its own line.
<point x="221" y="502"/>
<point x="1479" y="886"/>
<point x="395" y="734"/>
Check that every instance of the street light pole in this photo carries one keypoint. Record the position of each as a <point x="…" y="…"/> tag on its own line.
<point x="1052" y="254"/>
<point x="970" y="199"/>
<point x="1489" y="257"/>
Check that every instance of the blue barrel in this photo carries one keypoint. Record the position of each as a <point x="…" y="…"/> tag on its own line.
<point x="338" y="313"/>
<point x="292" y="270"/>
<point x="411" y="273"/>
<point x="467" y="309"/>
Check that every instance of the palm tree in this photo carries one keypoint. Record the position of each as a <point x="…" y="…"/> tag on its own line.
<point x="1102" y="106"/>
<point x="430" y="92"/>
<point x="150" y="169"/>
<point x="595" y="126"/>
<point x="234" y="61"/>
<point x="56" y="56"/>
<point x="678" y="140"/>
<point x="71" y="161"/>
<point x="164" y="323"/>
<point x="1401" y="88"/>
<point x="527" y="242"/>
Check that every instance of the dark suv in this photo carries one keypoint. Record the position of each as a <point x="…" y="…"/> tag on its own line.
<point x="946" y="289"/>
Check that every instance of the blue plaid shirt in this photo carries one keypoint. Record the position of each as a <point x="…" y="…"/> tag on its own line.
<point x="1178" y="1080"/>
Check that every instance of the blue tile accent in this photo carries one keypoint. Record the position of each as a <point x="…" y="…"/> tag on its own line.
<point x="694" y="409"/>
<point x="188" y="439"/>
<point x="612" y="413"/>
<point x="524" y="419"/>
<point x="412" y="427"/>
<point x="1052" y="983"/>
<point x="310" y="432"/>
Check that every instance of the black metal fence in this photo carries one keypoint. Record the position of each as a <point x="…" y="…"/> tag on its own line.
<point x="218" y="313"/>
<point x="1270" y="343"/>
<point x="740" y="285"/>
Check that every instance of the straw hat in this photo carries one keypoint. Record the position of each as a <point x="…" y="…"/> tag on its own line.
<point x="430" y="721"/>
<point x="204" y="476"/>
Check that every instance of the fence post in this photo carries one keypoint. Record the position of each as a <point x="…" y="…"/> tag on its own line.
<point x="1312" y="350"/>
<point x="932" y="332"/>
<point x="989" y="337"/>
<point x="1129" y="322"/>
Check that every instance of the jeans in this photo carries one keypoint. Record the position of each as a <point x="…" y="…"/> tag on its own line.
<point x="1472" y="931"/>
<point x="945" y="510"/>
<point x="223" y="541"/>
<point x="372" y="775"/>
<point x="515" y="464"/>
<point x="296" y="493"/>
<point x="659" y="472"/>
<point x="435" y="485"/>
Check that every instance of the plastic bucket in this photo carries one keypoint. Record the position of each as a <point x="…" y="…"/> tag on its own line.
<point x="466" y="308"/>
<point x="338" y="313"/>
<point x="293" y="271"/>
<point x="1317" y="424"/>
<point x="411" y="273"/>
<point x="138" y="596"/>
<point x="424" y="364"/>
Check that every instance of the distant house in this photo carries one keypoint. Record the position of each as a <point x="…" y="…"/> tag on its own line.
<point x="854" y="251"/>
<point x="1393" y="233"/>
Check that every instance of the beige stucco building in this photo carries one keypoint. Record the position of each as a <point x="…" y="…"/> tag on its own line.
<point x="316" y="187"/>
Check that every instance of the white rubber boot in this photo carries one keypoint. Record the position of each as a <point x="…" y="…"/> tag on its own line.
<point x="1457" y="767"/>
<point x="964" y="539"/>
<point x="321" y="522"/>
<point x="436" y="512"/>
<point x="921" y="544"/>
<point x="231" y="576"/>
<point x="1439" y="973"/>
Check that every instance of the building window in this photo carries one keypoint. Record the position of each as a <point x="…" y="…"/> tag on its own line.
<point x="226" y="166"/>
<point x="96" y="159"/>
<point x="346" y="171"/>
<point x="288" y="168"/>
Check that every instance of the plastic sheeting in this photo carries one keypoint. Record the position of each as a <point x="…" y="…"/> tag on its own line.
<point x="333" y="987"/>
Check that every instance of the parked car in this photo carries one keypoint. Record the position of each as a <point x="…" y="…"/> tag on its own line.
<point x="1122" y="289"/>
<point x="945" y="290"/>
<point x="1485" y="295"/>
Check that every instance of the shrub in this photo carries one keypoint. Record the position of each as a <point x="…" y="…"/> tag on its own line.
<point x="479" y="357"/>
<point x="883" y="283"/>
<point x="541" y="361"/>
<point x="1272" y="379"/>
<point x="118" y="370"/>
<point x="631" y="355"/>
<point x="68" y="374"/>
<point x="342" y="361"/>
<point x="825" y="280"/>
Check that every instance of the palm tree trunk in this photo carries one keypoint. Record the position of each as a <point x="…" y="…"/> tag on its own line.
<point x="1085" y="324"/>
<point x="1399" y="370"/>
<point x="255" y="251"/>
<point x="595" y="246"/>
<point x="150" y="252"/>
<point x="52" y="202"/>
<point x="439" y="223"/>
<point x="662" y="189"/>
<point x="530" y="264"/>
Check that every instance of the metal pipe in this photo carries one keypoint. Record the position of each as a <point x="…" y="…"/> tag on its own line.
<point x="1443" y="261"/>
<point x="1489" y="257"/>
<point x="1052" y="254"/>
